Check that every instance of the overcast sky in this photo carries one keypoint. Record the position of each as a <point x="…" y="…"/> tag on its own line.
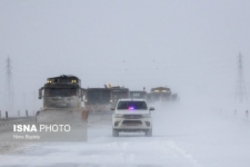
<point x="190" y="46"/>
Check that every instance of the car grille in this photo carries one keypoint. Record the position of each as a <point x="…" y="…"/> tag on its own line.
<point x="132" y="116"/>
<point x="131" y="123"/>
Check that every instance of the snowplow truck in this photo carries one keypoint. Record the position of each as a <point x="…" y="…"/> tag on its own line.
<point x="98" y="99"/>
<point x="62" y="97"/>
<point x="160" y="94"/>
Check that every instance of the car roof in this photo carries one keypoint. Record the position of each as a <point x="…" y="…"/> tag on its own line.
<point x="132" y="99"/>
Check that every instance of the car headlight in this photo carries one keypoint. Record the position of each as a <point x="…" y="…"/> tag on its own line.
<point x="118" y="115"/>
<point x="146" y="115"/>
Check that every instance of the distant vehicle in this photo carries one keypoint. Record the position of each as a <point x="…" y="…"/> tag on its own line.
<point x="61" y="96"/>
<point x="132" y="115"/>
<point x="175" y="97"/>
<point x="98" y="99"/>
<point x="160" y="94"/>
<point x="138" y="95"/>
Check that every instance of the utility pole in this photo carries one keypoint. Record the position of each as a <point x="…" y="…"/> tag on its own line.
<point x="241" y="92"/>
<point x="9" y="85"/>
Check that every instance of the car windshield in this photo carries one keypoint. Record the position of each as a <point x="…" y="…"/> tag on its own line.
<point x="132" y="105"/>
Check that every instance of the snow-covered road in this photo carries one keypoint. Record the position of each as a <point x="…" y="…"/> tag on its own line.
<point x="182" y="136"/>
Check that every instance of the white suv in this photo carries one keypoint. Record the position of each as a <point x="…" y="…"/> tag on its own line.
<point x="131" y="115"/>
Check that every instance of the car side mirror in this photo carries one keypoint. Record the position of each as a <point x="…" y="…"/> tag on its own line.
<point x="112" y="109"/>
<point x="151" y="108"/>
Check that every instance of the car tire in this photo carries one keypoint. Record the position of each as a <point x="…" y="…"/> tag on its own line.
<point x="149" y="133"/>
<point x="115" y="133"/>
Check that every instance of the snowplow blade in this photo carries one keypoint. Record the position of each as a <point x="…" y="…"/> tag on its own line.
<point x="61" y="116"/>
<point x="62" y="125"/>
<point x="86" y="117"/>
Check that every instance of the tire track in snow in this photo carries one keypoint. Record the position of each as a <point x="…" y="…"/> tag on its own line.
<point x="183" y="153"/>
<point x="128" y="152"/>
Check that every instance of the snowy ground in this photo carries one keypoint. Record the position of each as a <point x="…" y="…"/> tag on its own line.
<point x="183" y="135"/>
